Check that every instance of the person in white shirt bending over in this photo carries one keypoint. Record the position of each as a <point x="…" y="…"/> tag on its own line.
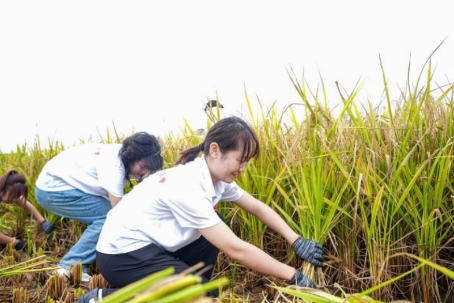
<point x="169" y="219"/>
<point x="86" y="181"/>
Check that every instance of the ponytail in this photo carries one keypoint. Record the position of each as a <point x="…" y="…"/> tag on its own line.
<point x="190" y="154"/>
<point x="230" y="134"/>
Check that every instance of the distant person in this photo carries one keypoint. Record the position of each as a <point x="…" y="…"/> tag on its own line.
<point x="212" y="104"/>
<point x="213" y="113"/>
<point x="168" y="220"/>
<point x="85" y="182"/>
<point x="14" y="189"/>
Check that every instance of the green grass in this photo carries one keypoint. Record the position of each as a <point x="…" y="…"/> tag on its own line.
<point x="374" y="186"/>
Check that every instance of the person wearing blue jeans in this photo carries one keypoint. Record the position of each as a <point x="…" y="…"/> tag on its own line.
<point x="85" y="208"/>
<point x="85" y="182"/>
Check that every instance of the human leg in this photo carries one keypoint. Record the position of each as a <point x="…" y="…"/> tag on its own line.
<point x="200" y="250"/>
<point x="77" y="205"/>
<point x="133" y="266"/>
<point x="123" y="269"/>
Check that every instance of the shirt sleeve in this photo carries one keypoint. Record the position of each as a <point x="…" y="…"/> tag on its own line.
<point x="232" y="192"/>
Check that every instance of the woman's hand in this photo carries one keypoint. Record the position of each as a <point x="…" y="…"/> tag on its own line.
<point x="19" y="244"/>
<point x="47" y="227"/>
<point x="302" y="280"/>
<point x="309" y="250"/>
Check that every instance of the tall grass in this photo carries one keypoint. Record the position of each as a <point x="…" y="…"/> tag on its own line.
<point x="374" y="186"/>
<point x="368" y="184"/>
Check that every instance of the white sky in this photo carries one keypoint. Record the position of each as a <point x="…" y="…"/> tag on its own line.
<point x="69" y="68"/>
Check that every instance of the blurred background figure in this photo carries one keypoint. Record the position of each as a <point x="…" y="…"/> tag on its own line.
<point x="214" y="112"/>
<point x="213" y="107"/>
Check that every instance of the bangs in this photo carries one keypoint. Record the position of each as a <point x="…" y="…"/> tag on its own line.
<point x="153" y="163"/>
<point x="234" y="133"/>
<point x="251" y="147"/>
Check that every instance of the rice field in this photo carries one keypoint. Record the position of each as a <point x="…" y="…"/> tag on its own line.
<point x="375" y="186"/>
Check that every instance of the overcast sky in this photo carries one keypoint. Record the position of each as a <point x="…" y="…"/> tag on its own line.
<point x="69" y="68"/>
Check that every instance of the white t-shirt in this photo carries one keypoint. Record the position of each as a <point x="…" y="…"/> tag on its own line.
<point x="95" y="169"/>
<point x="166" y="209"/>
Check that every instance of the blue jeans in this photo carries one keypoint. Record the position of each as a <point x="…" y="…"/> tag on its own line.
<point x="82" y="207"/>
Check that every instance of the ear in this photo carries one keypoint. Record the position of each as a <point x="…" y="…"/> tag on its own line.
<point x="215" y="151"/>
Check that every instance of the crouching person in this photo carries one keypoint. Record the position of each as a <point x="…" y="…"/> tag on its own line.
<point x="169" y="220"/>
<point x="14" y="190"/>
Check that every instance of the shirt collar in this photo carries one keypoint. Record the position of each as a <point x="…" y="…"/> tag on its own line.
<point x="207" y="183"/>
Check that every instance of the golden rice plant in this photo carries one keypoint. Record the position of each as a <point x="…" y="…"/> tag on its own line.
<point x="369" y="183"/>
<point x="98" y="281"/>
<point x="56" y="287"/>
<point x="20" y="295"/>
<point x="163" y="287"/>
<point x="75" y="274"/>
<point x="320" y="296"/>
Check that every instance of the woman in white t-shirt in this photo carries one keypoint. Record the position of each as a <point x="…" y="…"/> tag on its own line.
<point x="86" y="181"/>
<point x="169" y="219"/>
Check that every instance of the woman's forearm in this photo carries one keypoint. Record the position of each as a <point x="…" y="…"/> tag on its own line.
<point x="4" y="239"/>
<point x="271" y="219"/>
<point x="33" y="211"/>
<point x="256" y="259"/>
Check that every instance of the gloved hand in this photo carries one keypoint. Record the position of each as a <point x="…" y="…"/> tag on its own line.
<point x="309" y="250"/>
<point x="47" y="227"/>
<point x="19" y="244"/>
<point x="301" y="280"/>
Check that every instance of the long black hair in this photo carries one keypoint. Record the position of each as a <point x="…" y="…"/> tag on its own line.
<point x="140" y="146"/>
<point x="229" y="133"/>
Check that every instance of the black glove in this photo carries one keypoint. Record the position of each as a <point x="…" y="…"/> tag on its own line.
<point x="309" y="250"/>
<point x="301" y="280"/>
<point x="47" y="227"/>
<point x="19" y="244"/>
